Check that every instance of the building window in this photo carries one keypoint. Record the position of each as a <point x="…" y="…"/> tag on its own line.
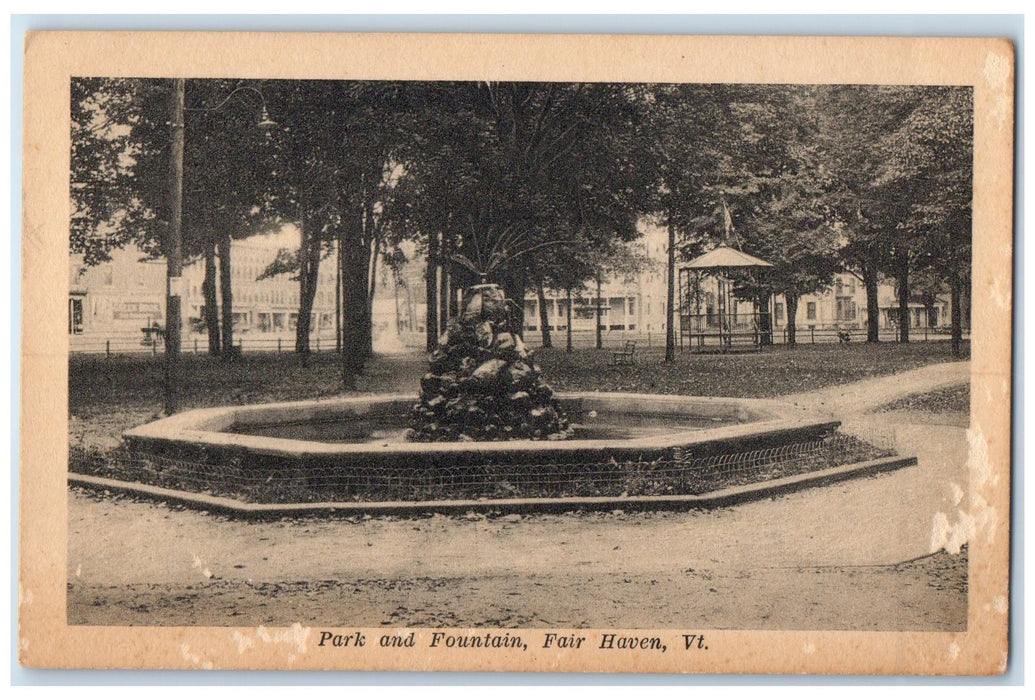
<point x="265" y="322"/>
<point x="810" y="310"/>
<point x="778" y="311"/>
<point x="75" y="316"/>
<point x="846" y="309"/>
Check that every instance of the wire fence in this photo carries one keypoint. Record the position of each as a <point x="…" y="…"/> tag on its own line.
<point x="835" y="334"/>
<point x="133" y="345"/>
<point x="677" y="472"/>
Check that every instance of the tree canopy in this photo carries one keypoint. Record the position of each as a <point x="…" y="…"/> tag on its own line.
<point x="532" y="184"/>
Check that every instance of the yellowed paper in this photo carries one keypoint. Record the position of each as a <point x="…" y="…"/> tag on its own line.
<point x="686" y="636"/>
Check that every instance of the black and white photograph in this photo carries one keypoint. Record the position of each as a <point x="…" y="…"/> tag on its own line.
<point x="527" y="372"/>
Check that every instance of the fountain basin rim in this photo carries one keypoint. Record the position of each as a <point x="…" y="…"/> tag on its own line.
<point x="206" y="427"/>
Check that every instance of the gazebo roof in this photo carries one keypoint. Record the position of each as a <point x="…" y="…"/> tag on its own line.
<point x="724" y="256"/>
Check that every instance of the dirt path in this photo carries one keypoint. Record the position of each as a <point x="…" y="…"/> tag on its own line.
<point x="827" y="558"/>
<point x="864" y="396"/>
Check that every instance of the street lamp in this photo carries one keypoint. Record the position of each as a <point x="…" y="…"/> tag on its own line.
<point x="174" y="236"/>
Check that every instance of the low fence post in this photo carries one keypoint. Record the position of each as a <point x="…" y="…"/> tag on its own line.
<point x="278" y="346"/>
<point x="812" y="332"/>
<point x="107" y="348"/>
<point x="195" y="346"/>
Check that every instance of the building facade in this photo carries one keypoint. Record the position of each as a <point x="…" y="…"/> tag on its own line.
<point x="119" y="305"/>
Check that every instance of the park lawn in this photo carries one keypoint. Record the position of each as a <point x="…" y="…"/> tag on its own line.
<point x="107" y="396"/>
<point x="948" y="400"/>
<point x="772" y="372"/>
<point x="110" y="395"/>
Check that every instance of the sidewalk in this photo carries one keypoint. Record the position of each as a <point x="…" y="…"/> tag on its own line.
<point x="638" y="567"/>
<point x="864" y="396"/>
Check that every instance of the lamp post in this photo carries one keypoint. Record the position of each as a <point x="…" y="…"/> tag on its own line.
<point x="174" y="253"/>
<point x="174" y="235"/>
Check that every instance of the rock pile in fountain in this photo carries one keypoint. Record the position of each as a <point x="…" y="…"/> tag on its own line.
<point x="483" y="384"/>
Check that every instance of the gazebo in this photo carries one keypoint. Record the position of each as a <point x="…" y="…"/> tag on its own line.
<point x="712" y="320"/>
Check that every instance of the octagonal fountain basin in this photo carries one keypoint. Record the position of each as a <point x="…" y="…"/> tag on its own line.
<point x="353" y="433"/>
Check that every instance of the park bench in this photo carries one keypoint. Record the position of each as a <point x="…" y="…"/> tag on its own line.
<point x="625" y="355"/>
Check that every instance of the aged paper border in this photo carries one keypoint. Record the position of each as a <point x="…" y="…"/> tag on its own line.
<point x="51" y="58"/>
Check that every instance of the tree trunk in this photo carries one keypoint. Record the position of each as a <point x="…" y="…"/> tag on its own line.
<point x="670" y="311"/>
<point x="355" y="343"/>
<point x="514" y="284"/>
<point x="208" y="292"/>
<point x="956" y="272"/>
<point x="872" y="303"/>
<point x="902" y="276"/>
<point x="544" y="317"/>
<point x="309" y="270"/>
<point x="568" y="313"/>
<point x="337" y="296"/>
<point x="227" y="294"/>
<point x="456" y="286"/>
<point x="444" y="310"/>
<point x="302" y="325"/>
<point x="600" y="314"/>
<point x="791" y="297"/>
<point x="431" y="294"/>
<point x="956" y="311"/>
<point x="765" y="321"/>
<point x="368" y="327"/>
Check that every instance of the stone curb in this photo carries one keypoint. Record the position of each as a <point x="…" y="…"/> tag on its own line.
<point x="715" y="499"/>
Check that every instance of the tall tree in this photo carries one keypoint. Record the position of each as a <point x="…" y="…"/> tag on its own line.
<point x="902" y="159"/>
<point x="120" y="154"/>
<point x="500" y="193"/>
<point x="934" y="168"/>
<point x="337" y="170"/>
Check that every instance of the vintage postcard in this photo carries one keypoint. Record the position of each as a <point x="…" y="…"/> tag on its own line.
<point x="673" y="354"/>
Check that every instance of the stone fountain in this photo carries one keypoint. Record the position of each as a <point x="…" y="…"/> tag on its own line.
<point x="482" y="384"/>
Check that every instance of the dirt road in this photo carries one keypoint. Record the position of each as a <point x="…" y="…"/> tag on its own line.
<point x="848" y="556"/>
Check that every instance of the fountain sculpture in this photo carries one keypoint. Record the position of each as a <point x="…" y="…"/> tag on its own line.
<point x="483" y="384"/>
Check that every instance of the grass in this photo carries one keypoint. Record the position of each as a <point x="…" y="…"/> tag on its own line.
<point x="110" y="395"/>
<point x="107" y="396"/>
<point x="775" y="371"/>
<point x="951" y="400"/>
